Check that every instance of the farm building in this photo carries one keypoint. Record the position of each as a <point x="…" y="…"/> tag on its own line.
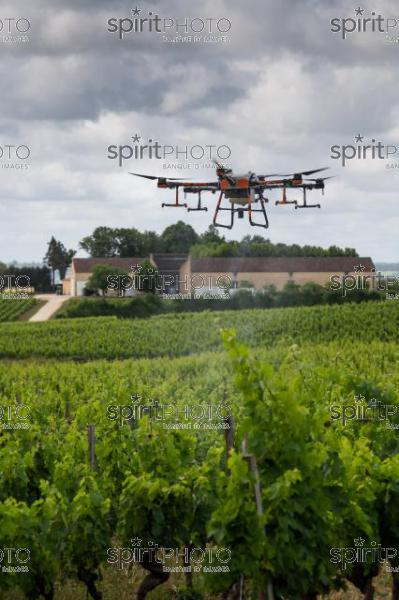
<point x="183" y="273"/>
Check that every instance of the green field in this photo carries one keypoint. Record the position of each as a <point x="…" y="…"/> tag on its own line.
<point x="12" y="310"/>
<point x="176" y="335"/>
<point x="324" y="482"/>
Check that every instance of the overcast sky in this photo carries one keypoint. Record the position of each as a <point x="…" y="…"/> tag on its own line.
<point x="278" y="91"/>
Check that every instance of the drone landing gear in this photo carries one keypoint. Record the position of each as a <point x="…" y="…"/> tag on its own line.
<point x="176" y="203"/>
<point x="305" y="205"/>
<point x="261" y="210"/>
<point x="199" y="205"/>
<point x="240" y="212"/>
<point x="285" y="201"/>
<point x="219" y="208"/>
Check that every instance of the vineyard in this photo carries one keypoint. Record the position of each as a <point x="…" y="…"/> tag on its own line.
<point x="11" y="310"/>
<point x="183" y="334"/>
<point x="205" y="464"/>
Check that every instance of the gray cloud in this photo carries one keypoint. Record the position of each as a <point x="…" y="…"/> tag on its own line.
<point x="280" y="93"/>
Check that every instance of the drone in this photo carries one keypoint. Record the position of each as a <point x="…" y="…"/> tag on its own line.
<point x="244" y="193"/>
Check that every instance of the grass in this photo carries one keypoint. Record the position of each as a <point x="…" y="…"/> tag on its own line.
<point x="117" y="585"/>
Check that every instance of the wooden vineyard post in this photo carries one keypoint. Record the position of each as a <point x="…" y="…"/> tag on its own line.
<point x="229" y="430"/>
<point x="91" y="439"/>
<point x="253" y="467"/>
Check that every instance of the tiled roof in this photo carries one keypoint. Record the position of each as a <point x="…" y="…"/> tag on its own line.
<point x="309" y="264"/>
<point x="86" y="265"/>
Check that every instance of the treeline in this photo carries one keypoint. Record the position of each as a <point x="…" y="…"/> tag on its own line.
<point x="183" y="239"/>
<point x="257" y="246"/>
<point x="39" y="276"/>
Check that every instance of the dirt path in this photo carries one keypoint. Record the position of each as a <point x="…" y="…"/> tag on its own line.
<point x="53" y="303"/>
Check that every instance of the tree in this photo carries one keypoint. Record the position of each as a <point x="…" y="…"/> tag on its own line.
<point x="101" y="243"/>
<point x="151" y="243"/>
<point x="58" y="257"/>
<point x="210" y="236"/>
<point x="124" y="241"/>
<point x="130" y="242"/>
<point x="100" y="278"/>
<point x="179" y="238"/>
